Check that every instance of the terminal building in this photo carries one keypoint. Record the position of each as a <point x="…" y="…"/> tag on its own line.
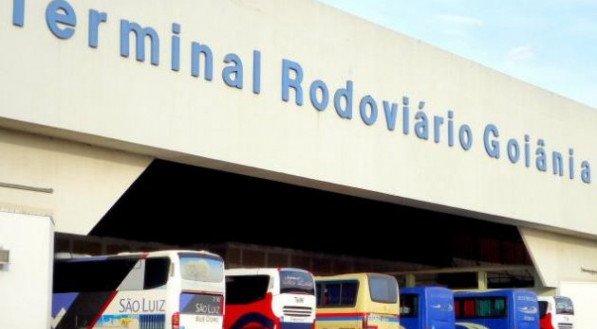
<point x="288" y="133"/>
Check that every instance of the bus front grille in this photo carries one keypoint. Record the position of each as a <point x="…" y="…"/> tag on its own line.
<point x="303" y="311"/>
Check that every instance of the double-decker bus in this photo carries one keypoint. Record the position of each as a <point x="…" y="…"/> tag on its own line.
<point x="162" y="289"/>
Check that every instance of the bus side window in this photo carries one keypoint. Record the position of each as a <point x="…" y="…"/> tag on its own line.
<point x="156" y="272"/>
<point x="337" y="294"/>
<point x="542" y="308"/>
<point x="409" y="305"/>
<point x="470" y="308"/>
<point x="332" y="294"/>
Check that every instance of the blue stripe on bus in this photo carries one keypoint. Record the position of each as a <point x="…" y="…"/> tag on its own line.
<point x="184" y="300"/>
<point x="294" y="325"/>
<point x="62" y="301"/>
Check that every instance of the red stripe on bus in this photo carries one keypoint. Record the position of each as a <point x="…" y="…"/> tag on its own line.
<point x="103" y="309"/>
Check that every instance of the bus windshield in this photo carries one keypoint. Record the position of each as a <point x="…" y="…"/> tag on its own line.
<point x="201" y="268"/>
<point x="383" y="288"/>
<point x="564" y="306"/>
<point x="296" y="282"/>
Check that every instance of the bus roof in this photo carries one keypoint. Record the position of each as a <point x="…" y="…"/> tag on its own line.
<point x="261" y="270"/>
<point x="348" y="276"/>
<point x="491" y="293"/>
<point x="423" y="289"/>
<point x="139" y="254"/>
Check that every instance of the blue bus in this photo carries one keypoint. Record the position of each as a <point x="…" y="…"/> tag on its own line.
<point x="497" y="309"/>
<point x="426" y="308"/>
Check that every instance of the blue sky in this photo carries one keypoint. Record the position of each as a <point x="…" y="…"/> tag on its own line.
<point x="549" y="43"/>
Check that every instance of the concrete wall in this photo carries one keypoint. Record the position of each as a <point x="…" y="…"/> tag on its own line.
<point x="583" y="296"/>
<point x="77" y="184"/>
<point x="561" y="258"/>
<point x="63" y="87"/>
<point x="569" y="265"/>
<point x="26" y="282"/>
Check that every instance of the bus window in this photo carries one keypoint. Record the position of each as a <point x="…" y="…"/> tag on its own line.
<point x="162" y="289"/>
<point x="564" y="305"/>
<point x="409" y="305"/>
<point x="338" y="294"/>
<point x="246" y="289"/>
<point x="296" y="282"/>
<point x="268" y="298"/>
<point x="156" y="272"/>
<point x="491" y="307"/>
<point x="357" y="301"/>
<point x="470" y="308"/>
<point x="203" y="269"/>
<point x="383" y="289"/>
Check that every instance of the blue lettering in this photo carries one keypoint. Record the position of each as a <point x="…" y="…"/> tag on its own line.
<point x="422" y="124"/>
<point x="437" y="124"/>
<point x="405" y="115"/>
<point x="371" y="117"/>
<point x="450" y="128"/>
<point x="465" y="136"/>
<point x="585" y="173"/>
<point x="141" y="33"/>
<point x="175" y="61"/>
<point x="95" y="19"/>
<point x="527" y="151"/>
<point x="320" y="86"/>
<point x="571" y="163"/>
<point x="513" y="150"/>
<point x="541" y="161"/>
<point x="233" y="75"/>
<point x="18" y="12"/>
<point x="196" y="51"/>
<point x="346" y="94"/>
<point x="391" y="111"/>
<point x="256" y="72"/>
<point x="59" y="13"/>
<point x="294" y="83"/>
<point x="492" y="147"/>
<point x="557" y="163"/>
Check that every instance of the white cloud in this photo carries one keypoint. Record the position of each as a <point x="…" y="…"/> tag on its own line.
<point x="520" y="54"/>
<point x="464" y="22"/>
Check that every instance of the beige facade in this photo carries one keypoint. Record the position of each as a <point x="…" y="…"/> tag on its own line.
<point x="81" y="122"/>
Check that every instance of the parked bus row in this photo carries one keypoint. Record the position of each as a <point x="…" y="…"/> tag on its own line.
<point x="192" y="290"/>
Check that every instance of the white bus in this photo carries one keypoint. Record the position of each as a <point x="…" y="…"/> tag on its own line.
<point x="154" y="290"/>
<point x="269" y="298"/>
<point x="556" y="312"/>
